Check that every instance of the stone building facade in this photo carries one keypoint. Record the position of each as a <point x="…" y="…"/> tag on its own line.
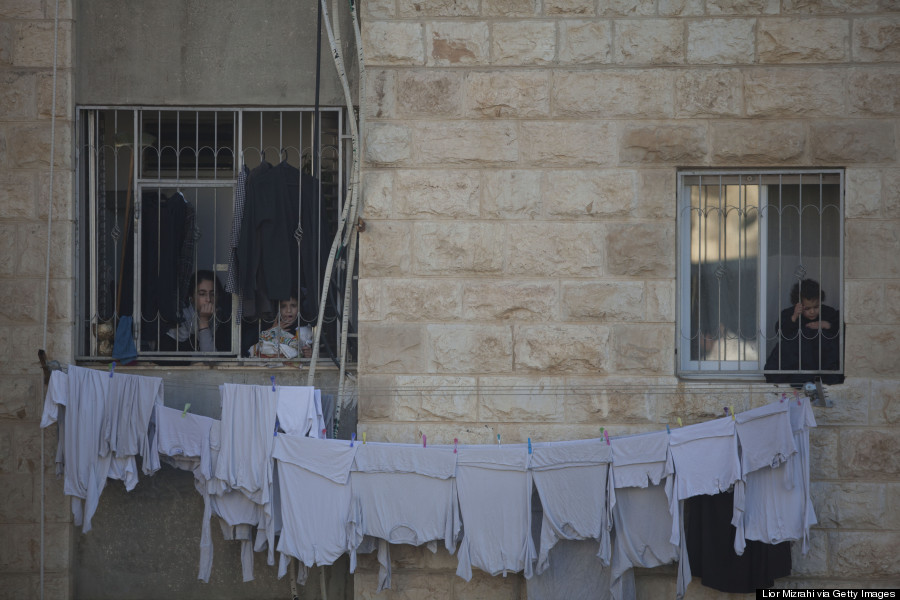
<point x="518" y="268"/>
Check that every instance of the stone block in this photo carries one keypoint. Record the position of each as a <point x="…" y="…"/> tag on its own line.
<point x="22" y="9"/>
<point x="611" y="400"/>
<point x="18" y="191"/>
<point x="892" y="513"/>
<point x="7" y="249"/>
<point x="33" y="44"/>
<point x="849" y="505"/>
<point x="569" y="7"/>
<point x="465" y="143"/>
<point x="510" y="8"/>
<point x="568" y="144"/>
<point x="660" y="301"/>
<point x="508" y="300"/>
<point x="437" y="8"/>
<point x="874" y="91"/>
<point x="393" y="43"/>
<point x="854" y="142"/>
<point x="871" y="247"/>
<point x="556" y="249"/>
<point x="420" y="299"/>
<point x="458" y="248"/>
<point x="429" y="94"/>
<point x="377" y="396"/>
<point x="511" y="194"/>
<point x="585" y="42"/>
<point x="602" y="301"/>
<point x="681" y="8"/>
<point x="742" y="7"/>
<point x="830" y="6"/>
<point x="791" y="92"/>
<point x="815" y="562"/>
<point x="384" y="248"/>
<point x="641" y="249"/>
<point x="7" y="36"/>
<point x="863" y="195"/>
<point x="864" y="553"/>
<point x="391" y="348"/>
<point x="377" y="194"/>
<point x="405" y="585"/>
<point x="708" y="93"/>
<point x="518" y="433"/>
<point x="761" y="143"/>
<point x="721" y="41"/>
<point x="381" y="93"/>
<point x="27" y="145"/>
<point x="370" y="300"/>
<point x="875" y="39"/>
<point x="892" y="311"/>
<point x="19" y="397"/>
<point x="430" y="398"/>
<point x="31" y="250"/>
<point x="610" y="94"/>
<point x="528" y="42"/>
<point x="387" y="143"/>
<point x="57" y="506"/>
<point x="656" y="194"/>
<point x="63" y="200"/>
<point x="452" y="43"/>
<point x="864" y="299"/>
<point x="470" y="349"/>
<point x="627" y="8"/>
<point x="17" y="501"/>
<point x="482" y="585"/>
<point x="17" y="95"/>
<point x="664" y="142"/>
<point x="520" y="399"/>
<point x="523" y="94"/>
<point x="823" y="451"/>
<point x="649" y="42"/>
<point x="869" y="453"/>
<point x="562" y="349"/>
<point x="379" y="9"/>
<point x="449" y="194"/>
<point x="643" y="348"/>
<point x="803" y="40"/>
<point x="62" y="105"/>
<point x="694" y="403"/>
<point x="890" y="193"/>
<point x="15" y="337"/>
<point x="588" y="194"/>
<point x="851" y="404"/>
<point x="22" y="303"/>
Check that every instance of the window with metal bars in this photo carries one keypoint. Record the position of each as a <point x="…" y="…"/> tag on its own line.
<point x="204" y="233"/>
<point x="760" y="274"/>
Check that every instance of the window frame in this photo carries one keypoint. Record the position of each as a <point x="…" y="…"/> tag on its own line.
<point x="748" y="370"/>
<point x="86" y="203"/>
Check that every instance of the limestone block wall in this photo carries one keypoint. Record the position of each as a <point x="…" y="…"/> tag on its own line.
<point x="26" y="107"/>
<point x="519" y="256"/>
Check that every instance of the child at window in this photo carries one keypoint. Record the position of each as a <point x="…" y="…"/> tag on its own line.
<point x="808" y="337"/>
<point x="284" y="339"/>
<point x="199" y="319"/>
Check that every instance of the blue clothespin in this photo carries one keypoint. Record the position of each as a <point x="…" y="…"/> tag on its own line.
<point x="273" y="382"/>
<point x="498" y="440"/>
<point x="352" y="438"/>
<point x="529" y="445"/>
<point x="112" y="369"/>
<point x="669" y="431"/>
<point x="275" y="434"/>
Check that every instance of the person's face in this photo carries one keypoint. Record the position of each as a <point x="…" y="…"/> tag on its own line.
<point x="205" y="294"/>
<point x="810" y="309"/>
<point x="288" y="312"/>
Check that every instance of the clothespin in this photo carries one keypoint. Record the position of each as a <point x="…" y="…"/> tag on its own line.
<point x="273" y="382"/>
<point x="324" y="433"/>
<point x="732" y="412"/>
<point x="184" y="412"/>
<point x="606" y="437"/>
<point x="364" y="437"/>
<point x="725" y="408"/>
<point x="424" y="441"/>
<point x="529" y="445"/>
<point x="455" y="442"/>
<point x="112" y="369"/>
<point x="498" y="440"/>
<point x="679" y="422"/>
<point x="352" y="438"/>
<point x="669" y="431"/>
<point x="601" y="432"/>
<point x="783" y="396"/>
<point x="797" y="396"/>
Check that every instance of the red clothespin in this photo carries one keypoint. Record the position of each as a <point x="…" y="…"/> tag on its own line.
<point x="455" y="442"/>
<point x="797" y="396"/>
<point x="783" y="396"/>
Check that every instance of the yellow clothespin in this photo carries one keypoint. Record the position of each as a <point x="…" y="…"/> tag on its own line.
<point x="364" y="437"/>
<point x="679" y="422"/>
<point x="184" y="412"/>
<point x="732" y="412"/>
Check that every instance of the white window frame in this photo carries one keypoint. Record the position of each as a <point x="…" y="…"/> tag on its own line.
<point x="737" y="369"/>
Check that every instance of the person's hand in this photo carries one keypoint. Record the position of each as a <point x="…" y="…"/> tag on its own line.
<point x="798" y="310"/>
<point x="306" y="351"/>
<point x="205" y="311"/>
<point x="819" y="325"/>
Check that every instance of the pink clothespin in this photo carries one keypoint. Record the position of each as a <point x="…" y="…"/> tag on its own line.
<point x="783" y="396"/>
<point x="424" y="441"/>
<point x="455" y="442"/>
<point x="112" y="369"/>
<point x="606" y="437"/>
<point x="797" y="396"/>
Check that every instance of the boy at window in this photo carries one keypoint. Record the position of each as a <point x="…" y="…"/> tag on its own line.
<point x="283" y="339"/>
<point x="200" y="317"/>
<point x="808" y="337"/>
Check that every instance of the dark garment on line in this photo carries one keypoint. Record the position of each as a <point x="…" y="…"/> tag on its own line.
<point x="800" y="348"/>
<point x="710" y="544"/>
